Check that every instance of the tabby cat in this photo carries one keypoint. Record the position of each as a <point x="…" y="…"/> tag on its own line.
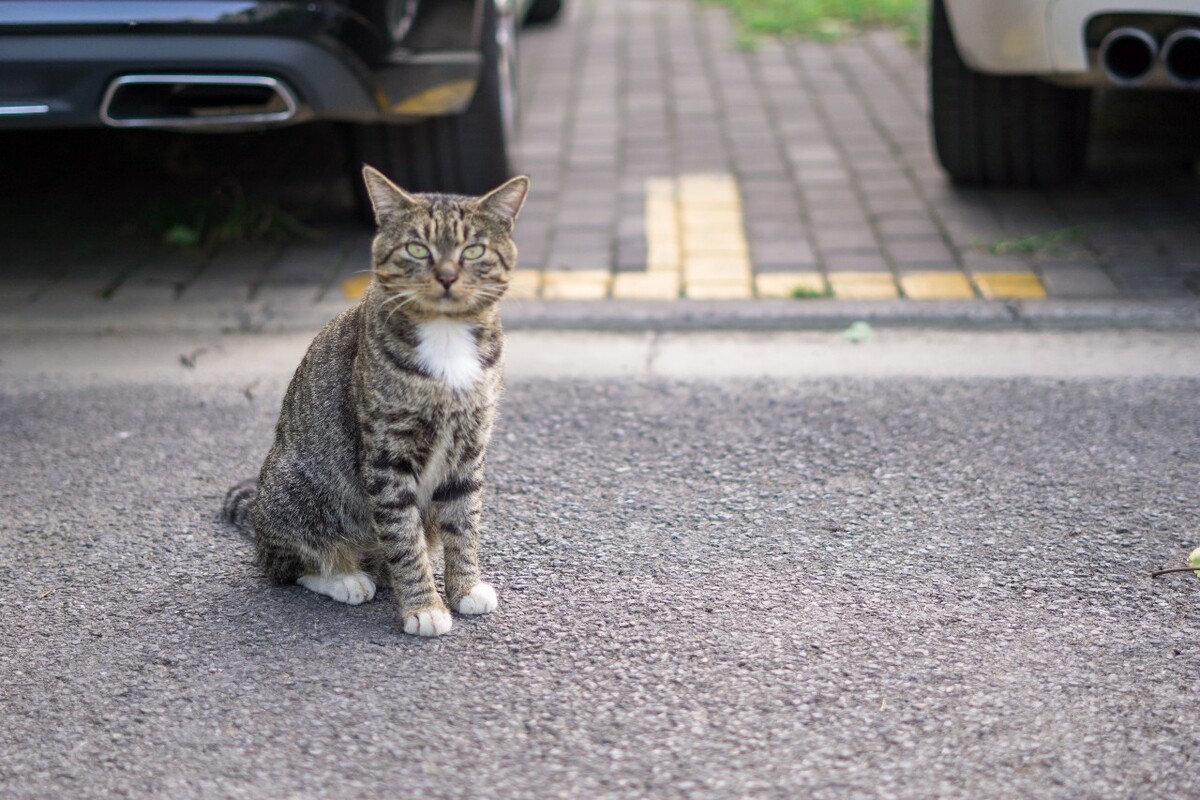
<point x="379" y="450"/>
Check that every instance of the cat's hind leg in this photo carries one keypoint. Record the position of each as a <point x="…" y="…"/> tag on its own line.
<point x="338" y="575"/>
<point x="303" y="539"/>
<point x="338" y="578"/>
<point x="351" y="588"/>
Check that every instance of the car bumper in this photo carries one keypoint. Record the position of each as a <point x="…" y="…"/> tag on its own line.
<point x="1039" y="37"/>
<point x="59" y="60"/>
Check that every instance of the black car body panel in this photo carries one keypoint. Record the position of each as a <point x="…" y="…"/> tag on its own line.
<point x="62" y="62"/>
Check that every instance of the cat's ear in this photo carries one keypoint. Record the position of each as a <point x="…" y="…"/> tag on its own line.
<point x="506" y="201"/>
<point x="386" y="197"/>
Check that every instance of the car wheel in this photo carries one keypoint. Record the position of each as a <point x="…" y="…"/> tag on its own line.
<point x="467" y="153"/>
<point x="994" y="130"/>
<point x="543" y="11"/>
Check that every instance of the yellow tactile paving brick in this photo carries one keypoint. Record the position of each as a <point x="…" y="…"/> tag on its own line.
<point x="1009" y="285"/>
<point x="523" y="285"/>
<point x="355" y="286"/>
<point x="709" y="189"/>
<point x="694" y="237"/>
<point x="784" y="284"/>
<point x="663" y="250"/>
<point x="663" y="231"/>
<point x="575" y="284"/>
<point x="717" y="289"/>
<point x="646" y="286"/>
<point x="731" y="265"/>
<point x="863" y="285"/>
<point x="707" y="220"/>
<point x="936" y="286"/>
<point x="716" y="243"/>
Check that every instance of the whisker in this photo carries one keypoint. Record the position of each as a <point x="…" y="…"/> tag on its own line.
<point x="403" y="301"/>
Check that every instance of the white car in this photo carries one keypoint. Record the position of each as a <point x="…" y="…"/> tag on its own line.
<point x="1011" y="80"/>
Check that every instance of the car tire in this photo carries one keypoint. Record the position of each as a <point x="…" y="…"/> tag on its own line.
<point x="543" y="11"/>
<point x="467" y="153"/>
<point x="992" y="130"/>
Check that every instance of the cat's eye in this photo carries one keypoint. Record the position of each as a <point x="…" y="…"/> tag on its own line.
<point x="416" y="250"/>
<point x="473" y="252"/>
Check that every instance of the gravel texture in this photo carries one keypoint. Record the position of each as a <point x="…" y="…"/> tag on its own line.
<point x="828" y="589"/>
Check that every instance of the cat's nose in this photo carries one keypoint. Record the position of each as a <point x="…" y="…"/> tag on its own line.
<point x="446" y="276"/>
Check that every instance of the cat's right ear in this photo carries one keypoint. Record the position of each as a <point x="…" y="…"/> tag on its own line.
<point x="386" y="197"/>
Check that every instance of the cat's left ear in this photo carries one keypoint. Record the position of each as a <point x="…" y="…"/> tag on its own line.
<point x="506" y="201"/>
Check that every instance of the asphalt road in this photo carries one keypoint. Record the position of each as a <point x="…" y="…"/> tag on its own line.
<point x="846" y="586"/>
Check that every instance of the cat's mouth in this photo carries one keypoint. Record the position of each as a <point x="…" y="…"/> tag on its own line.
<point x="448" y="297"/>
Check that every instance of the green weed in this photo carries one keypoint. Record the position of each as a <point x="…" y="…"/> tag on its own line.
<point x="824" y="19"/>
<point x="810" y="293"/>
<point x="1047" y="242"/>
<point x="225" y="217"/>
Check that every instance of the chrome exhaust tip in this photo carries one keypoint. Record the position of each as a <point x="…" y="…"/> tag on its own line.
<point x="1127" y="56"/>
<point x="196" y="101"/>
<point x="1181" y="57"/>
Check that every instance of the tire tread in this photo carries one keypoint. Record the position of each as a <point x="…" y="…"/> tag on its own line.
<point x="1000" y="130"/>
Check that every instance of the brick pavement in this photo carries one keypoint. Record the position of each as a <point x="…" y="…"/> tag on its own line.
<point x="827" y="146"/>
<point x="667" y="164"/>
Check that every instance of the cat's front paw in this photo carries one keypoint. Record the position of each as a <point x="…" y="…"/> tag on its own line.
<point x="351" y="588"/>
<point x="431" y="621"/>
<point x="480" y="600"/>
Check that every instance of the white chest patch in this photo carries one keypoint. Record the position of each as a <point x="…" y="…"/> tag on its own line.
<point x="447" y="351"/>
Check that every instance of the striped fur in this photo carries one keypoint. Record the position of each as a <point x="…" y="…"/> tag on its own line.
<point x="238" y="502"/>
<point x="379" y="449"/>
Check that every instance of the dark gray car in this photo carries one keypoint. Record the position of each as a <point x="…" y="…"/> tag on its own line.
<point x="425" y="88"/>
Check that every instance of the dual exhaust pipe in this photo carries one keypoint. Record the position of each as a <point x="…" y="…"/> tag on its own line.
<point x="1128" y="55"/>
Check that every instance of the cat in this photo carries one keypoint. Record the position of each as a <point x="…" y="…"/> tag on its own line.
<point x="379" y="450"/>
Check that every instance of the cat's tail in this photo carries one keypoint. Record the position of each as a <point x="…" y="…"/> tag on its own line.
<point x="238" y="503"/>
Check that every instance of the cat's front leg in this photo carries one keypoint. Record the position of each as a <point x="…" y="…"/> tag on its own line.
<point x="459" y="504"/>
<point x="397" y="521"/>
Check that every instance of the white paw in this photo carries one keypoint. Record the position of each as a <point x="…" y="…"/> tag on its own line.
<point x="480" y="600"/>
<point x="351" y="588"/>
<point x="428" y="622"/>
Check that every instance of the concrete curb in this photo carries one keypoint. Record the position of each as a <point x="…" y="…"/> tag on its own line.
<point x="610" y="315"/>
<point x="782" y="315"/>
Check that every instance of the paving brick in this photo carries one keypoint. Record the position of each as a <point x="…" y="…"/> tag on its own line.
<point x="646" y="286"/>
<point x="1009" y="285"/>
<point x="831" y="239"/>
<point x="976" y="261"/>
<point x="1078" y="281"/>
<point x="855" y="262"/>
<point x="632" y="253"/>
<point x="1148" y="284"/>
<point x="838" y="215"/>
<point x="776" y="255"/>
<point x="936" y="286"/>
<point x="769" y="228"/>
<point x="898" y="228"/>
<point x="863" y="285"/>
<point x="583" y="284"/>
<point x="739" y="289"/>
<point x="924" y="252"/>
